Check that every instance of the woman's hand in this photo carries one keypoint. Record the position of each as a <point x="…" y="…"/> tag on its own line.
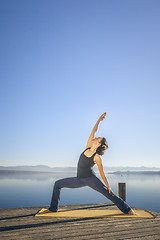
<point x="110" y="190"/>
<point x="102" y="116"/>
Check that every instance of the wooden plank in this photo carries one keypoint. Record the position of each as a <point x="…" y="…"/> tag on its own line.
<point x="21" y="224"/>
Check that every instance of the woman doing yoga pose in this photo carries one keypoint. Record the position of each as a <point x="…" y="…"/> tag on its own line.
<point x="86" y="176"/>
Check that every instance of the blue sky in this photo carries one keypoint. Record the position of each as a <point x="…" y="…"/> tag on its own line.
<point x="64" y="63"/>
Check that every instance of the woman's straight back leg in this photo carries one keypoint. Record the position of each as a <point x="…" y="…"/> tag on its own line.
<point x="97" y="185"/>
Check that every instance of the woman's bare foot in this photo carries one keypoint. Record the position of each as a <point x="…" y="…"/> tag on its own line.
<point x="45" y="211"/>
<point x="131" y="212"/>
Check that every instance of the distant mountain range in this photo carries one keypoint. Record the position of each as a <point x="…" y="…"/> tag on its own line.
<point x="40" y="168"/>
<point x="44" y="168"/>
<point x="121" y="168"/>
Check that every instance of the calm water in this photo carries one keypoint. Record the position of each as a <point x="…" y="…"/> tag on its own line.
<point x="35" y="189"/>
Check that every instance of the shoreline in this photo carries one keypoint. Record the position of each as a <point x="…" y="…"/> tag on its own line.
<point x="74" y="172"/>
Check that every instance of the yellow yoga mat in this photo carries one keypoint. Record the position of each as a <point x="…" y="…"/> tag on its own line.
<point x="95" y="213"/>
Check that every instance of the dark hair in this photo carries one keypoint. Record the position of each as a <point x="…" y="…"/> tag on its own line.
<point x="104" y="145"/>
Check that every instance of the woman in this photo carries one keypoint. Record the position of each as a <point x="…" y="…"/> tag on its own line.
<point x="86" y="176"/>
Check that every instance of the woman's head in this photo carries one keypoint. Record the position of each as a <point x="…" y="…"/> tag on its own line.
<point x="102" y="145"/>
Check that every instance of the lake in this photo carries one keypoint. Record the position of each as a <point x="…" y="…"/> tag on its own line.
<point x="30" y="189"/>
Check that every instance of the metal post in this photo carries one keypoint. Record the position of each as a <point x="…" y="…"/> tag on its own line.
<point x="122" y="190"/>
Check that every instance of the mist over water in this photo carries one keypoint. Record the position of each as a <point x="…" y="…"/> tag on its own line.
<point x="29" y="189"/>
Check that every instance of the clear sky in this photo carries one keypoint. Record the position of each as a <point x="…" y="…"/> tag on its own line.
<point x="63" y="64"/>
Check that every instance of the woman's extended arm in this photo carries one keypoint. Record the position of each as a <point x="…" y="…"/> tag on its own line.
<point x="95" y="129"/>
<point x="100" y="168"/>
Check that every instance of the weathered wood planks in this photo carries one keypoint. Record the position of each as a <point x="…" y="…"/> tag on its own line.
<point x="20" y="223"/>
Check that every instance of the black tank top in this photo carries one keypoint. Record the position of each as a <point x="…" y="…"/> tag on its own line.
<point x="85" y="164"/>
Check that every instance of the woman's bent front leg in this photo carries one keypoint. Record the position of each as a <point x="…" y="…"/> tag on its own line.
<point x="72" y="182"/>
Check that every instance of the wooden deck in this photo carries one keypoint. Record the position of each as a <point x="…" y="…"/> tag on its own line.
<point x="20" y="223"/>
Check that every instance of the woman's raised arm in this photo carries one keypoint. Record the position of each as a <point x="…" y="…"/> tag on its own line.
<point x="95" y="129"/>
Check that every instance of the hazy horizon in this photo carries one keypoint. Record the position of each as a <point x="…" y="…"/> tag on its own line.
<point x="63" y="64"/>
<point x="95" y="167"/>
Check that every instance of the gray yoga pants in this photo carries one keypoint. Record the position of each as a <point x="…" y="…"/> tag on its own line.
<point x="93" y="182"/>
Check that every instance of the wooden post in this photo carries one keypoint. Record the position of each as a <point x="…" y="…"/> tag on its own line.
<point x="122" y="190"/>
